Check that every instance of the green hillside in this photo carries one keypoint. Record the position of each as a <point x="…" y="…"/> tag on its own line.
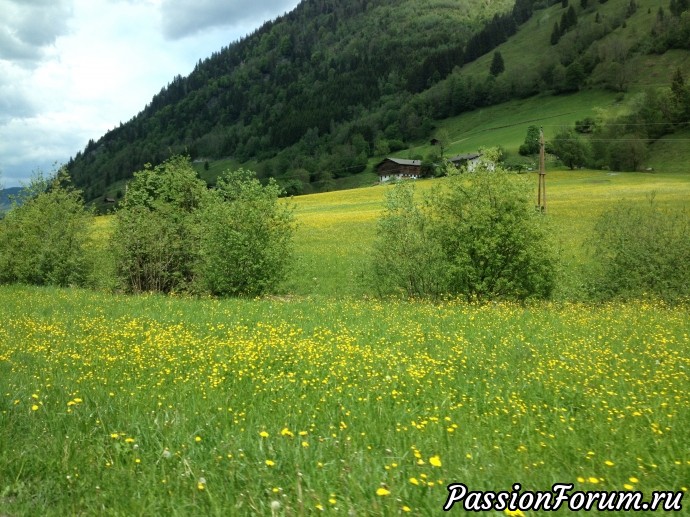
<point x="320" y="95"/>
<point x="304" y="77"/>
<point x="6" y="196"/>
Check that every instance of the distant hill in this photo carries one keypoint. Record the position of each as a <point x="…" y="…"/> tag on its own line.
<point x="6" y="196"/>
<point x="314" y="97"/>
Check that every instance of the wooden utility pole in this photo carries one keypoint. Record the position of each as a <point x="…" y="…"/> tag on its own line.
<point x="541" y="195"/>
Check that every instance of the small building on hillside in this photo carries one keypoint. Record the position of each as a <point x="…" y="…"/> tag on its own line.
<point x="399" y="169"/>
<point x="465" y="160"/>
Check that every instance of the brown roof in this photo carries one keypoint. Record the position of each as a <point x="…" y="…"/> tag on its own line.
<point x="401" y="161"/>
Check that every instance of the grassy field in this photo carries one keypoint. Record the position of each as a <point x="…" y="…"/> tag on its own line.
<point x="331" y="401"/>
<point x="149" y="405"/>
<point x="336" y="229"/>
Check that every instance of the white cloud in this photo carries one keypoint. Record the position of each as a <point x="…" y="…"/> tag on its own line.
<point x="14" y="103"/>
<point x="28" y="26"/>
<point x="70" y="70"/>
<point x="187" y="17"/>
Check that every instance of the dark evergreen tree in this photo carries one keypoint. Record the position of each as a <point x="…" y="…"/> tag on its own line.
<point x="680" y="93"/>
<point x="678" y="82"/>
<point x="522" y="10"/>
<point x="678" y="6"/>
<point x="531" y="144"/>
<point x="497" y="31"/>
<point x="583" y="3"/>
<point x="568" y="20"/>
<point x="564" y="3"/>
<point x="555" y="34"/>
<point x="497" y="64"/>
<point x="572" y="17"/>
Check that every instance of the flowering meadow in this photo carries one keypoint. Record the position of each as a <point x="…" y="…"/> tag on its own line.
<point x="113" y="405"/>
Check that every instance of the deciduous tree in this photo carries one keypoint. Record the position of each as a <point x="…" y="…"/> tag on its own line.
<point x="478" y="238"/>
<point x="246" y="237"/>
<point x="44" y="236"/>
<point x="570" y="148"/>
<point x="156" y="237"/>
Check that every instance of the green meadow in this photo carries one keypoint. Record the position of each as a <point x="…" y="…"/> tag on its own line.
<point x="329" y="401"/>
<point x="336" y="229"/>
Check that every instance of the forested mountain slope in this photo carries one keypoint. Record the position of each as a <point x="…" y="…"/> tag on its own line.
<point x="297" y="78"/>
<point x="311" y="96"/>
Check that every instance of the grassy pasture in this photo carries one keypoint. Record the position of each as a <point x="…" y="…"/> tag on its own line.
<point x="331" y="402"/>
<point x="149" y="405"/>
<point x="336" y="229"/>
<point x="507" y="123"/>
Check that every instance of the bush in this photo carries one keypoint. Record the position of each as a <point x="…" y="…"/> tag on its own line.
<point x="531" y="144"/>
<point x="479" y="237"/>
<point x="406" y="260"/>
<point x="156" y="233"/>
<point x="572" y="150"/>
<point x="174" y="235"/>
<point x="641" y="250"/>
<point x="44" y="236"/>
<point x="246" y="238"/>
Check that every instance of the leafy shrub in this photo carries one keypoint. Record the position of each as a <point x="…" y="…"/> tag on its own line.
<point x="406" y="259"/>
<point x="246" y="238"/>
<point x="479" y="237"/>
<point x="641" y="250"/>
<point x="156" y="230"/>
<point x="173" y="234"/>
<point x="572" y="150"/>
<point x="44" y="236"/>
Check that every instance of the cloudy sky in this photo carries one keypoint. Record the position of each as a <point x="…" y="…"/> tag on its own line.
<point x="70" y="70"/>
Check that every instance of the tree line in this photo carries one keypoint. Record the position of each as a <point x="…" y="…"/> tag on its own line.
<point x="171" y="235"/>
<point x="476" y="236"/>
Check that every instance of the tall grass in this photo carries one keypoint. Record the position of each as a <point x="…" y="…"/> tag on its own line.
<point x="150" y="405"/>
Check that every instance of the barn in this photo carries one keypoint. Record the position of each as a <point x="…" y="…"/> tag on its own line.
<point x="399" y="169"/>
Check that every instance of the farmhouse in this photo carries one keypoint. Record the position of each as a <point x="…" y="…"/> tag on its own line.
<point x="398" y="168"/>
<point x="467" y="160"/>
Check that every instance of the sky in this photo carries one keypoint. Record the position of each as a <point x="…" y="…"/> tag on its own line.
<point x="70" y="70"/>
